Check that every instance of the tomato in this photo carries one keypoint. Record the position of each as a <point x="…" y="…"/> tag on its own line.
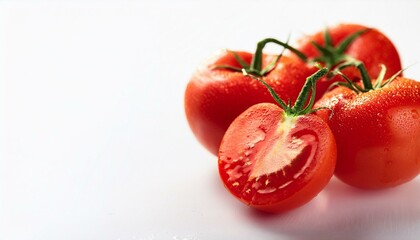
<point x="371" y="47"/>
<point x="276" y="160"/>
<point x="218" y="92"/>
<point x="214" y="97"/>
<point x="377" y="133"/>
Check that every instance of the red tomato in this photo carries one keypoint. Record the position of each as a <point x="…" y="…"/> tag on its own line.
<point x="377" y="133"/>
<point x="372" y="48"/>
<point x="214" y="97"/>
<point x="274" y="162"/>
<point x="278" y="157"/>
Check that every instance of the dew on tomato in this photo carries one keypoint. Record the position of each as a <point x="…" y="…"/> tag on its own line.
<point x="271" y="163"/>
<point x="414" y="113"/>
<point x="377" y="133"/>
<point x="278" y="157"/>
<point x="403" y="121"/>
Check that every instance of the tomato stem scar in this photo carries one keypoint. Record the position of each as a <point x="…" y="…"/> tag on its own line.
<point x="366" y="79"/>
<point x="330" y="55"/>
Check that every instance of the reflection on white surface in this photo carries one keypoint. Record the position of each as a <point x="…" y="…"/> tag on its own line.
<point x="343" y="212"/>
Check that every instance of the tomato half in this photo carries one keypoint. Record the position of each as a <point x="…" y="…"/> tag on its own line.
<point x="377" y="133"/>
<point x="275" y="162"/>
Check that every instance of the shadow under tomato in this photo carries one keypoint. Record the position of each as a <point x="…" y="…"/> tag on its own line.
<point x="344" y="212"/>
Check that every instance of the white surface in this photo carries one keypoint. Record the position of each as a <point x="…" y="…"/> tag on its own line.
<point x="93" y="139"/>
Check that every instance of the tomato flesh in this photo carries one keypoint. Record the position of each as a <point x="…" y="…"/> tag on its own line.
<point x="273" y="162"/>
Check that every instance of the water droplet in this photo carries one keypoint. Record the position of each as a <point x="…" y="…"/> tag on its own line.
<point x="251" y="145"/>
<point x="263" y="128"/>
<point x="248" y="153"/>
<point x="256" y="185"/>
<point x="285" y="184"/>
<point x="414" y="113"/>
<point x="266" y="190"/>
<point x="235" y="173"/>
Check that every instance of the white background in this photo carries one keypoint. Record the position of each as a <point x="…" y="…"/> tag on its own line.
<point x="93" y="139"/>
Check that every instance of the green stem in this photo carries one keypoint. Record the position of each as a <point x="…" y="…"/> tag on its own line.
<point x="303" y="95"/>
<point x="256" y="64"/>
<point x="299" y="107"/>
<point x="270" y="89"/>
<point x="329" y="54"/>
<point x="367" y="82"/>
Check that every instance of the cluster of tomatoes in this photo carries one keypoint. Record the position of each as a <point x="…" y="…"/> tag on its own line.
<point x="283" y="125"/>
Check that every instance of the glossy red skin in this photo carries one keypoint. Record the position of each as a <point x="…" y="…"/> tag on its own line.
<point x="215" y="97"/>
<point x="372" y="48"/>
<point x="377" y="133"/>
<point x="255" y="177"/>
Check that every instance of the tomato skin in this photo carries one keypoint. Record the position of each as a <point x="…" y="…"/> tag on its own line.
<point x="377" y="133"/>
<point x="372" y="48"/>
<point x="215" y="97"/>
<point x="256" y="171"/>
